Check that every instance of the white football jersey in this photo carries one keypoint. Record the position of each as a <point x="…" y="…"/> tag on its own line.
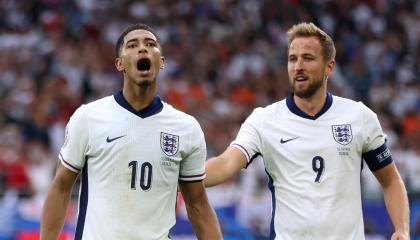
<point x="131" y="162"/>
<point x="314" y="165"/>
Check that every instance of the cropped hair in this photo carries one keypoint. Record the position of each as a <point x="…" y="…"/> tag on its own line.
<point x="311" y="30"/>
<point x="129" y="29"/>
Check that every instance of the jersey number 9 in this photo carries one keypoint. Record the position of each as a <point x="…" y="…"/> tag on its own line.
<point x="318" y="167"/>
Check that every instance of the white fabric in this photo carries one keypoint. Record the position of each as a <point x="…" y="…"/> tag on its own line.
<point x="304" y="208"/>
<point x="115" y="210"/>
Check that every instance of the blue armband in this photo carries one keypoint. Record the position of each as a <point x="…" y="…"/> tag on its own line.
<point x="378" y="158"/>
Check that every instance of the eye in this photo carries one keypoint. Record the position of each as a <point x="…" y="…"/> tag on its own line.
<point x="151" y="44"/>
<point x="308" y="58"/>
<point x="133" y="45"/>
<point x="292" y="59"/>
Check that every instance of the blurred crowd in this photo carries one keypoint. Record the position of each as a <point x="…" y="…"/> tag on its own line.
<point x="222" y="59"/>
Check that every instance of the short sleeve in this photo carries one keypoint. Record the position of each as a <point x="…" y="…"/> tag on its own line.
<point x="248" y="139"/>
<point x="72" y="153"/>
<point x="375" y="151"/>
<point x="192" y="166"/>
<point x="373" y="136"/>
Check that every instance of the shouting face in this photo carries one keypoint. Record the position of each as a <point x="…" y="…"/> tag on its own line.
<point x="140" y="58"/>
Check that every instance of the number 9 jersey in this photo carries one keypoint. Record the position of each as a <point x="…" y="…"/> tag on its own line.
<point x="131" y="162"/>
<point x="314" y="165"/>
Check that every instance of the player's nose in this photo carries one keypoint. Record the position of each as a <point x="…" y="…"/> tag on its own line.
<point x="298" y="64"/>
<point x="142" y="48"/>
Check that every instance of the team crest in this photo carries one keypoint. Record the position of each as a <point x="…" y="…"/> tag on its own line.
<point x="169" y="143"/>
<point x="342" y="133"/>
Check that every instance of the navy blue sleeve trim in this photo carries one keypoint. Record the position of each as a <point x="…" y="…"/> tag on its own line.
<point x="192" y="176"/>
<point x="241" y="147"/>
<point x="183" y="181"/>
<point x="252" y="159"/>
<point x="69" y="165"/>
<point x="378" y="158"/>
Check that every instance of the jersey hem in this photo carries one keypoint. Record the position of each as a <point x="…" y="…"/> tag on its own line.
<point x="243" y="150"/>
<point x="197" y="177"/>
<point x="68" y="165"/>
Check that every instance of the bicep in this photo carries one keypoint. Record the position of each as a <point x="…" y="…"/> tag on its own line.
<point x="192" y="192"/>
<point x="234" y="159"/>
<point x="387" y="175"/>
<point x="224" y="166"/>
<point x="64" y="178"/>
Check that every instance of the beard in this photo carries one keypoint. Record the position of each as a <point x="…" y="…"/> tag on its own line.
<point x="309" y="91"/>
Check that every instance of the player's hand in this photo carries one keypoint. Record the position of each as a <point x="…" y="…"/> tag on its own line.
<point x="400" y="236"/>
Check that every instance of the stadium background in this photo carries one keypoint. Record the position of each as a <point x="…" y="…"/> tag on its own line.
<point x="223" y="58"/>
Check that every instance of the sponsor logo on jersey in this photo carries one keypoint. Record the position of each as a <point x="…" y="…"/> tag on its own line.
<point x="342" y="133"/>
<point x="287" y="140"/>
<point x="108" y="140"/>
<point x="169" y="143"/>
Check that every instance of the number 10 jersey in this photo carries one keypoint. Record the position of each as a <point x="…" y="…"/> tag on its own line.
<point x="131" y="162"/>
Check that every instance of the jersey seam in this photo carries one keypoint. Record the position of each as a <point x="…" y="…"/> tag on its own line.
<point x="88" y="135"/>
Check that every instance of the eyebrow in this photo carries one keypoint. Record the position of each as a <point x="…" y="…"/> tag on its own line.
<point x="136" y="40"/>
<point x="131" y="40"/>
<point x="150" y="39"/>
<point x="303" y="54"/>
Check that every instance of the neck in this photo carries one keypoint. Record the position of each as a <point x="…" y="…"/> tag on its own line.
<point x="313" y="104"/>
<point x="139" y="97"/>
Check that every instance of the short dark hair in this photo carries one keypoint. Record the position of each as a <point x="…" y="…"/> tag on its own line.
<point x="130" y="28"/>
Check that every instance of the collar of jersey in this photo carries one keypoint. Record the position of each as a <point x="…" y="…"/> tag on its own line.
<point x="294" y="109"/>
<point x="154" y="108"/>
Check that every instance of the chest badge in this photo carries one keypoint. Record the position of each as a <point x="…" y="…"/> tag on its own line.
<point x="342" y="133"/>
<point x="169" y="143"/>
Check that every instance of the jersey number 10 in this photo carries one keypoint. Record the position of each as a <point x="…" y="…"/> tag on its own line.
<point x="146" y="172"/>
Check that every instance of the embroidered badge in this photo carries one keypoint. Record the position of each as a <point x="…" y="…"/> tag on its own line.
<point x="342" y="133"/>
<point x="169" y="143"/>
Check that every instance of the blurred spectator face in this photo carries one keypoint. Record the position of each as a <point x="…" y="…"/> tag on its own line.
<point x="308" y="71"/>
<point x="141" y="58"/>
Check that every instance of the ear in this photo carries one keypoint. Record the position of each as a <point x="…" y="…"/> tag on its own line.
<point x="162" y="62"/>
<point x="119" y="64"/>
<point x="330" y="67"/>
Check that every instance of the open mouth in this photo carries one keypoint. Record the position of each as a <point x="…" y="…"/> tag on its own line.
<point x="144" y="64"/>
<point x="300" y="78"/>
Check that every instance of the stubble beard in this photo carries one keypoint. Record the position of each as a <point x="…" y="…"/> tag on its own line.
<point x="309" y="91"/>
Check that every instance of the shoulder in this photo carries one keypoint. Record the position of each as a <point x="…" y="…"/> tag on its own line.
<point x="92" y="108"/>
<point x="179" y="116"/>
<point x="99" y="103"/>
<point x="262" y="114"/>
<point x="353" y="110"/>
<point x="344" y="101"/>
<point x="273" y="108"/>
<point x="350" y="105"/>
<point x="80" y="120"/>
<point x="171" y="111"/>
